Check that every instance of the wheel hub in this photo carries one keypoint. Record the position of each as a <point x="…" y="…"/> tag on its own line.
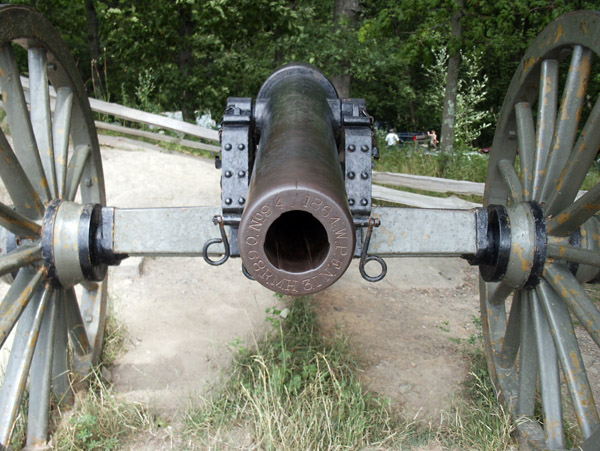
<point x="517" y="245"/>
<point x="68" y="243"/>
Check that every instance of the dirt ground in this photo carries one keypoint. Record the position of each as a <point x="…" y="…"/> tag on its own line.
<point x="182" y="315"/>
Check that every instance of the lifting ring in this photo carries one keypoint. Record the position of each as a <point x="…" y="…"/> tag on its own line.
<point x="364" y="258"/>
<point x="217" y="220"/>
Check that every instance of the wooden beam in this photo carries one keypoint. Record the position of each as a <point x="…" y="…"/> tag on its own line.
<point x="156" y="136"/>
<point x="131" y="114"/>
<point x="419" y="200"/>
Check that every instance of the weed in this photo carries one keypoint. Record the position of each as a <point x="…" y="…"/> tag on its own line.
<point x="296" y="391"/>
<point x="100" y="420"/>
<point x="476" y="419"/>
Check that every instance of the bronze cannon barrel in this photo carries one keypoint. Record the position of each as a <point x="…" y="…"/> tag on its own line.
<point x="296" y="234"/>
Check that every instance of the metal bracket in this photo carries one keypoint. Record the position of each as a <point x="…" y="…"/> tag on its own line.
<point x="358" y="149"/>
<point x="237" y="153"/>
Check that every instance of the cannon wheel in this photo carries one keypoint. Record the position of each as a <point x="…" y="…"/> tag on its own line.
<point x="67" y="165"/>
<point x="533" y="332"/>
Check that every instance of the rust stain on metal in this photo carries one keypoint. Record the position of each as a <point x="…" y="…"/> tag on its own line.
<point x="525" y="263"/>
<point x="528" y="64"/>
<point x="559" y="33"/>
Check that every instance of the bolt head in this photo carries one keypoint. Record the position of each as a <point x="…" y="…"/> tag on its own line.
<point x="351" y="202"/>
<point x="364" y="202"/>
<point x="241" y="146"/>
<point x="242" y="174"/>
<point x="364" y="148"/>
<point x="364" y="175"/>
<point x="227" y="146"/>
<point x="228" y="174"/>
<point x="351" y="175"/>
<point x="228" y="201"/>
<point x="241" y="201"/>
<point x="351" y="148"/>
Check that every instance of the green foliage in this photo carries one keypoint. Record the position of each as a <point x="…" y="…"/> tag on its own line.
<point x="191" y="55"/>
<point x="101" y="420"/>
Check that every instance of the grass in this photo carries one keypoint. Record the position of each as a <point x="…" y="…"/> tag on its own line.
<point x="476" y="420"/>
<point x="296" y="390"/>
<point x="99" y="419"/>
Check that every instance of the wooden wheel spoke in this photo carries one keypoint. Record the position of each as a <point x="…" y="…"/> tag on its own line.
<point x="512" y="337"/>
<point x="16" y="299"/>
<point x="526" y="137"/>
<point x="60" y="361"/>
<point x="19" y="362"/>
<point x="17" y="183"/>
<point x="570" y="358"/>
<point x="511" y="180"/>
<point x="528" y="364"/>
<point x="549" y="376"/>
<point x="20" y="257"/>
<point x="61" y="130"/>
<point x="75" y="324"/>
<point x="40" y="112"/>
<point x="583" y="156"/>
<point x="568" y="117"/>
<point x="546" y="120"/>
<point x="75" y="170"/>
<point x="40" y="379"/>
<point x="20" y="123"/>
<point x="16" y="223"/>
<point x="574" y="254"/>
<point x="571" y="292"/>
<point x="571" y="218"/>
<point x="499" y="294"/>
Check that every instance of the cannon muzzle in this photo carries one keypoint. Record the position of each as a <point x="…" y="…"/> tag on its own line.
<point x="296" y="234"/>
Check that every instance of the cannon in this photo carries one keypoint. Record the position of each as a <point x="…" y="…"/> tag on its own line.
<point x="296" y="208"/>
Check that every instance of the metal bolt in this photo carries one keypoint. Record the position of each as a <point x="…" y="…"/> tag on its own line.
<point x="89" y="318"/>
<point x="241" y="147"/>
<point x="351" y="148"/>
<point x="89" y="182"/>
<point x="228" y="174"/>
<point x="351" y="202"/>
<point x="351" y="175"/>
<point x="242" y="174"/>
<point x="228" y="201"/>
<point x="364" y="175"/>
<point x="364" y="202"/>
<point x="227" y="147"/>
<point x="364" y="148"/>
<point x="241" y="201"/>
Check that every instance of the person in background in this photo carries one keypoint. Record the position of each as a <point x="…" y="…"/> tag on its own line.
<point x="433" y="141"/>
<point x="392" y="138"/>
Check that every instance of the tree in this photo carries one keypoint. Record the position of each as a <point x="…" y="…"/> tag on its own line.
<point x="449" y="113"/>
<point x="94" y="48"/>
<point x="345" y="15"/>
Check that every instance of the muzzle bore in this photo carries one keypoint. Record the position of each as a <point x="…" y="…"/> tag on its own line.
<point x="296" y="234"/>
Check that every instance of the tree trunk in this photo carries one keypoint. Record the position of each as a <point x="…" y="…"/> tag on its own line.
<point x="94" y="48"/>
<point x="344" y="11"/>
<point x="186" y="60"/>
<point x="449" y="113"/>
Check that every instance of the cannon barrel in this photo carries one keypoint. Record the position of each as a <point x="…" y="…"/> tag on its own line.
<point x="296" y="234"/>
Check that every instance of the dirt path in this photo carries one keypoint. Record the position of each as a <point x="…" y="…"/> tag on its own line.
<point x="181" y="314"/>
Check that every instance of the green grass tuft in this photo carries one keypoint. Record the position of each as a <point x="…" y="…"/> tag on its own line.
<point x="296" y="391"/>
